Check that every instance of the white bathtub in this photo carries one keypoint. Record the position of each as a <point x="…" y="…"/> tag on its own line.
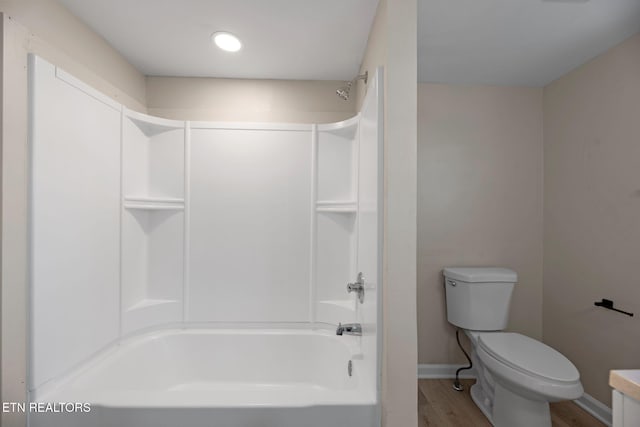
<point x="220" y="378"/>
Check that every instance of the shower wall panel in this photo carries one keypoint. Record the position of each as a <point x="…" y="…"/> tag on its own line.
<point x="75" y="229"/>
<point x="370" y="232"/>
<point x="250" y="208"/>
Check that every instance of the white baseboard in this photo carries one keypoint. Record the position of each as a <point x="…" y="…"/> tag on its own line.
<point x="443" y="371"/>
<point x="596" y="408"/>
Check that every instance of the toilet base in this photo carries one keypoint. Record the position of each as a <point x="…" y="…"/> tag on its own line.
<point x="513" y="410"/>
<point x="482" y="401"/>
<point x="510" y="398"/>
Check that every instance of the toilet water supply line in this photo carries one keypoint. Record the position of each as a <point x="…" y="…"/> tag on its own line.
<point x="456" y="383"/>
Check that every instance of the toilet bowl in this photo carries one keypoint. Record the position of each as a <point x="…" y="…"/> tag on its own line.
<point x="522" y="376"/>
<point x="517" y="375"/>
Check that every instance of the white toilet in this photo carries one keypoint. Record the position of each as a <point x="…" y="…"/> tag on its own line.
<point x="517" y="375"/>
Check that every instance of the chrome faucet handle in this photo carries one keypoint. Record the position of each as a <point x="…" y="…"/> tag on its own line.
<point x="357" y="286"/>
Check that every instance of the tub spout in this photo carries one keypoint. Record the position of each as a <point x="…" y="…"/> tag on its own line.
<point x="349" y="329"/>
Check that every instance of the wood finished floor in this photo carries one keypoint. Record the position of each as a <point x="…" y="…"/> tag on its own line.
<point x="441" y="406"/>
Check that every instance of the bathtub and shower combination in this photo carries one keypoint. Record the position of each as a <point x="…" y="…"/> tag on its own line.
<point x="195" y="273"/>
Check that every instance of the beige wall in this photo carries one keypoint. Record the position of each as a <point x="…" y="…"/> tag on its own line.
<point x="392" y="44"/>
<point x="295" y="101"/>
<point x="592" y="214"/>
<point x="479" y="201"/>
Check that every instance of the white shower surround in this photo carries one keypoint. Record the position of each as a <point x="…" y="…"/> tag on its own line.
<point x="183" y="237"/>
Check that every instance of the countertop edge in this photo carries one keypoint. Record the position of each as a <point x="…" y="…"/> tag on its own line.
<point x="626" y="381"/>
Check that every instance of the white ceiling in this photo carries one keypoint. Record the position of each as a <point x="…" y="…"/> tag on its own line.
<point x="517" y="42"/>
<point x="283" y="39"/>
<point x="500" y="42"/>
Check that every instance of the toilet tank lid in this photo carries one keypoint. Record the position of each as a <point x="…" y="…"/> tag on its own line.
<point x="481" y="274"/>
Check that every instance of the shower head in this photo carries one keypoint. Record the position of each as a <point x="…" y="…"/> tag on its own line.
<point x="343" y="92"/>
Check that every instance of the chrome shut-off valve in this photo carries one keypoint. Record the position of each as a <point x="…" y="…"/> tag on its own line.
<point x="357" y="286"/>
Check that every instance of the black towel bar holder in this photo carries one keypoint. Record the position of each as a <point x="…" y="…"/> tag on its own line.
<point x="608" y="304"/>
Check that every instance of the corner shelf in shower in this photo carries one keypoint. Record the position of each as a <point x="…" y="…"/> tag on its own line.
<point x="337" y="206"/>
<point x="153" y="220"/>
<point x="335" y="311"/>
<point x="152" y="126"/>
<point x="147" y="312"/>
<point x="147" y="303"/>
<point x="154" y="203"/>
<point x="346" y="129"/>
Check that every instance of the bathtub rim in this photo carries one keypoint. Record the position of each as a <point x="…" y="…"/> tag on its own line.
<point x="48" y="391"/>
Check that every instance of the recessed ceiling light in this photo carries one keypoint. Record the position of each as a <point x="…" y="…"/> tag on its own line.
<point x="226" y="41"/>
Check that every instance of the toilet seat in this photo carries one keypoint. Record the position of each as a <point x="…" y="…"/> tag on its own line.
<point x="528" y="367"/>
<point x="529" y="356"/>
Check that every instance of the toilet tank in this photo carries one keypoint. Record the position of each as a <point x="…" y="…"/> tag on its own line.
<point x="478" y="298"/>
